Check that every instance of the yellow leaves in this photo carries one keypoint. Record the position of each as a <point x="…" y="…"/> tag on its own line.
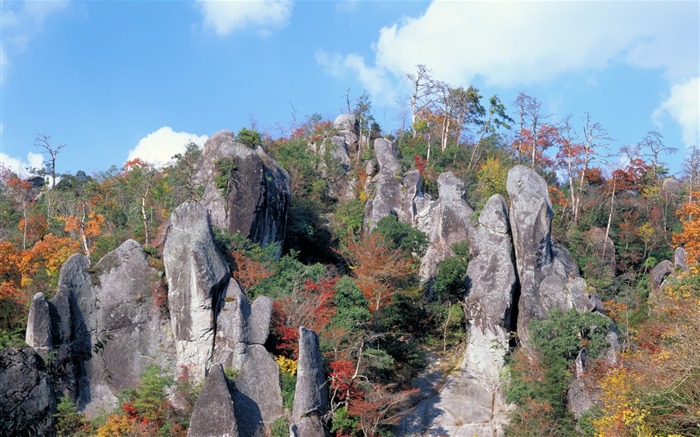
<point x="287" y="365"/>
<point x="117" y="425"/>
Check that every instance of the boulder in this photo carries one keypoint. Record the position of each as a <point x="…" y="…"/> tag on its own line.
<point x="491" y="281"/>
<point x="389" y="191"/>
<point x="27" y="402"/>
<point x="130" y="332"/>
<point x="197" y="275"/>
<point x="680" y="259"/>
<point x="549" y="277"/>
<point x="232" y="327"/>
<point x="253" y="199"/>
<point x="39" y="334"/>
<point x="311" y="395"/>
<point x="308" y="427"/>
<point x="73" y="326"/>
<point x="258" y="396"/>
<point x="658" y="274"/>
<point x="346" y="124"/>
<point x="214" y="412"/>
<point x="259" y="323"/>
<point x="445" y="221"/>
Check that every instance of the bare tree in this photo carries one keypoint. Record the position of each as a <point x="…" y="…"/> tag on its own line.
<point x="44" y="141"/>
<point x="421" y="96"/>
<point x="653" y="142"/>
<point x="691" y="171"/>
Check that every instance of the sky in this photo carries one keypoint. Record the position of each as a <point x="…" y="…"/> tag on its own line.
<point x="115" y="80"/>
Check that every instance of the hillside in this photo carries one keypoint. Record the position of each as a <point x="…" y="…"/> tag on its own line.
<point x="346" y="281"/>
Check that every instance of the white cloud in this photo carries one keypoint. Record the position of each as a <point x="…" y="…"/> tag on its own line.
<point x="21" y="166"/>
<point x="160" y="146"/>
<point x="512" y="43"/>
<point x="21" y="21"/>
<point x="225" y="16"/>
<point x="683" y="105"/>
<point x="374" y="79"/>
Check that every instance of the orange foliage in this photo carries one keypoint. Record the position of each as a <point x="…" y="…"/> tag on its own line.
<point x="689" y="237"/>
<point x="36" y="227"/>
<point x="377" y="268"/>
<point x="249" y="272"/>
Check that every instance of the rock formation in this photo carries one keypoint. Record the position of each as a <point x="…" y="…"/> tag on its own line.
<point x="102" y="326"/>
<point x="214" y="412"/>
<point x="392" y="193"/>
<point x="197" y="275"/>
<point x="27" y="402"/>
<point x="445" y="221"/>
<point x="471" y="402"/>
<point x="311" y="395"/>
<point x="548" y="276"/>
<point x="251" y="197"/>
<point x="679" y="259"/>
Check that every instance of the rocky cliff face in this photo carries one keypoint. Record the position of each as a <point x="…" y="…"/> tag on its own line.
<point x="515" y="269"/>
<point x="548" y="276"/>
<point x="197" y="275"/>
<point x="102" y="326"/>
<point x="444" y="220"/>
<point x="245" y="191"/>
<point x="27" y="401"/>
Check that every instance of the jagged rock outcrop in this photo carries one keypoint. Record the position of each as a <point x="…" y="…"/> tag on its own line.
<point x="258" y="396"/>
<point x="130" y="331"/>
<point x="39" y="334"/>
<point x="659" y="273"/>
<point x="214" y="412"/>
<point x="197" y="275"/>
<point x="580" y="396"/>
<point x="27" y="402"/>
<point x="346" y="125"/>
<point x="445" y="221"/>
<point x="679" y="259"/>
<point x="253" y="198"/>
<point x="471" y="402"/>
<point x="242" y="331"/>
<point x="548" y="276"/>
<point x="73" y="327"/>
<point x="491" y="282"/>
<point x="311" y="395"/>
<point x="393" y="194"/>
<point x="102" y="325"/>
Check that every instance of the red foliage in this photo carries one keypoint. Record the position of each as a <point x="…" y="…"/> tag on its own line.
<point x="341" y="380"/>
<point x="285" y="337"/>
<point x="421" y="163"/>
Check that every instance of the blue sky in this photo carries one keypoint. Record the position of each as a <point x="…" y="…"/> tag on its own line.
<point x="115" y="79"/>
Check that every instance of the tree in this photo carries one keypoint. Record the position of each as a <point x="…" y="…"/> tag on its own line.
<point x="529" y="141"/>
<point x="421" y="95"/>
<point x="653" y="143"/>
<point x="576" y="157"/>
<point x="496" y="119"/>
<point x="691" y="171"/>
<point x="44" y="141"/>
<point x="378" y="269"/>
